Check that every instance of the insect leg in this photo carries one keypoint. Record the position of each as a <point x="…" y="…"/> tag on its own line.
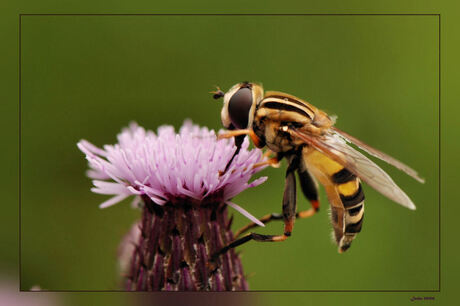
<point x="265" y="219"/>
<point x="230" y="134"/>
<point x="274" y="161"/>
<point x="238" y="142"/>
<point x="289" y="197"/>
<point x="288" y="216"/>
<point x="310" y="190"/>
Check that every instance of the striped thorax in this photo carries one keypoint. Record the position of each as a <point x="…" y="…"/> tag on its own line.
<point x="278" y="111"/>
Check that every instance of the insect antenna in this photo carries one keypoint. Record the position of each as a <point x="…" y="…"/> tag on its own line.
<point x="218" y="93"/>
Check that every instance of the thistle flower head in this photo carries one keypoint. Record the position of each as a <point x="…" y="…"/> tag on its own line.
<point x="170" y="167"/>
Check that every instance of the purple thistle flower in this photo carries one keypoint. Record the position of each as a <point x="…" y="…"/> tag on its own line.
<point x="180" y="179"/>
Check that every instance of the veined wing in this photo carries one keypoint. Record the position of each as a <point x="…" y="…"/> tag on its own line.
<point x="376" y="153"/>
<point x="338" y="150"/>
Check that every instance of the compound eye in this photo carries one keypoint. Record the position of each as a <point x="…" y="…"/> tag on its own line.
<point x="238" y="107"/>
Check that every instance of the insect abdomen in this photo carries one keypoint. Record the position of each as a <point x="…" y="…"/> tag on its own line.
<point x="351" y="195"/>
<point x="344" y="192"/>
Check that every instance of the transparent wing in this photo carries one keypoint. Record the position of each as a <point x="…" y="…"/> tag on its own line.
<point x="333" y="146"/>
<point x="376" y="153"/>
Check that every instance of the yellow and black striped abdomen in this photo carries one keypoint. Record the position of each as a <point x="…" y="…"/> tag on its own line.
<point x="344" y="192"/>
<point x="351" y="195"/>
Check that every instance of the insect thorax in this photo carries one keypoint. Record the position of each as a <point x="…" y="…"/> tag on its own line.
<point x="268" y="129"/>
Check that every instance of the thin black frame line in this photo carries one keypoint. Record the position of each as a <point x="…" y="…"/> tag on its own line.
<point x="217" y="14"/>
<point x="439" y="151"/>
<point x="19" y="148"/>
<point x="222" y="14"/>
<point x="241" y="291"/>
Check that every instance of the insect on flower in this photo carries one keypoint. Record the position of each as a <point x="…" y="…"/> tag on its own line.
<point x="294" y="129"/>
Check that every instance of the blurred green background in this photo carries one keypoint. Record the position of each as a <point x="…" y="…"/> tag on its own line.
<point x="89" y="76"/>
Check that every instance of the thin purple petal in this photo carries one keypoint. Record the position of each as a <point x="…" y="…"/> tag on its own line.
<point x="245" y="213"/>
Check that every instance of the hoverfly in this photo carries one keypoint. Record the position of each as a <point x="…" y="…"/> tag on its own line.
<point x="305" y="136"/>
